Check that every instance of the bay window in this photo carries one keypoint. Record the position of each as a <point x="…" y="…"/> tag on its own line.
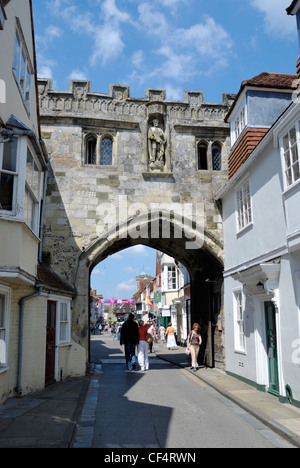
<point x="4" y="320"/>
<point x="8" y="174"/>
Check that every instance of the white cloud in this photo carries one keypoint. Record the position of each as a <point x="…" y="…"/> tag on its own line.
<point x="78" y="75"/>
<point x="127" y="285"/>
<point x="138" y="250"/>
<point x="276" y="21"/>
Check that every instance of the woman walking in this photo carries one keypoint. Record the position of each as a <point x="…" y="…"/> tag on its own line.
<point x="170" y="334"/>
<point x="194" y="342"/>
<point x="143" y="346"/>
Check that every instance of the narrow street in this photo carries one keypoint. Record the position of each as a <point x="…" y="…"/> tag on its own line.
<point x="164" y="408"/>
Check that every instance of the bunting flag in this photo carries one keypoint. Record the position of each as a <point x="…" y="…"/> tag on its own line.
<point x="115" y="301"/>
<point x="148" y="301"/>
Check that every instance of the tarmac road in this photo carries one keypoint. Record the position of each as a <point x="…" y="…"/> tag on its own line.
<point x="163" y="408"/>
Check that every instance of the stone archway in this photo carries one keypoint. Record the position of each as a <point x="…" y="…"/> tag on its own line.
<point x="157" y="196"/>
<point x="203" y="264"/>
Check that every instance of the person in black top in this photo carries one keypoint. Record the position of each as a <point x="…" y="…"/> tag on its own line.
<point x="130" y="339"/>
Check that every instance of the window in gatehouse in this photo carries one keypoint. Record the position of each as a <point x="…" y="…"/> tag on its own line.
<point x="202" y="157"/>
<point x="90" y="150"/>
<point x="106" y="152"/>
<point x="216" y="157"/>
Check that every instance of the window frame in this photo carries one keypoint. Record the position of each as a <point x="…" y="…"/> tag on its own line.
<point x="103" y="139"/>
<point x="15" y="175"/>
<point x="283" y="152"/>
<point x="22" y="57"/>
<point x="220" y="146"/>
<point x="238" y="122"/>
<point x="64" y="323"/>
<point x="239" y="321"/>
<point x="246" y="207"/>
<point x="34" y="197"/>
<point x="172" y="279"/>
<point x="202" y="145"/>
<point x="6" y="292"/>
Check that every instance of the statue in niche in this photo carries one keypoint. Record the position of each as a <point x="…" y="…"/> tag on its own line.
<point x="156" y="146"/>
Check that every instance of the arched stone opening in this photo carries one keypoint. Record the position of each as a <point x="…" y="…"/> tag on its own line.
<point x="204" y="264"/>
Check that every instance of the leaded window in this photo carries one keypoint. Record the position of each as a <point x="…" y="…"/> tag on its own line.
<point x="216" y="157"/>
<point x="106" y="152"/>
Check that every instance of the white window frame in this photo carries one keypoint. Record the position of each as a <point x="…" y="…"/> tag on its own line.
<point x="63" y="322"/>
<point x="239" y="321"/>
<point x="244" y="211"/>
<point x="6" y="293"/>
<point x="172" y="278"/>
<point x="290" y="181"/>
<point x="22" y="68"/>
<point x="32" y="196"/>
<point x="238" y="122"/>
<point x="14" y="174"/>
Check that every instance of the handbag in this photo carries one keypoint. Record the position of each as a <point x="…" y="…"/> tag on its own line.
<point x="188" y="351"/>
<point x="149" y="338"/>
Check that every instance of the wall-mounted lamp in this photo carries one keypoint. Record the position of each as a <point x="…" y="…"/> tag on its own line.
<point x="260" y="286"/>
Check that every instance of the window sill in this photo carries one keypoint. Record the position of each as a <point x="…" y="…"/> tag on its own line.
<point x="288" y="190"/>
<point x="3" y="369"/>
<point x="245" y="229"/>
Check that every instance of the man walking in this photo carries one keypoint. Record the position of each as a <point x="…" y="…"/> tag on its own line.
<point x="130" y="339"/>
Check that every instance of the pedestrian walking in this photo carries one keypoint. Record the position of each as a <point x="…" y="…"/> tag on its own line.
<point x="143" y="346"/>
<point x="130" y="339"/>
<point x="113" y="332"/>
<point x="170" y="334"/>
<point x="194" y="342"/>
<point x="119" y="328"/>
<point x="162" y="332"/>
<point x="152" y="332"/>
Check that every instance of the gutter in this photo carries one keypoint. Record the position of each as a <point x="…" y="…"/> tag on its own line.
<point x="20" y="352"/>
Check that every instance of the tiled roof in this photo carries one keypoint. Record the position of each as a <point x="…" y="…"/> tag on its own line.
<point x="267" y="80"/>
<point x="272" y="80"/>
<point x="47" y="278"/>
<point x="244" y="147"/>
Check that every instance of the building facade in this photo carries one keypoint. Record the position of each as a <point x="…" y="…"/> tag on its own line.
<point x="261" y="237"/>
<point x="35" y="305"/>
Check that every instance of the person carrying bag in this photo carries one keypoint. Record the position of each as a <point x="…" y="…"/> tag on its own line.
<point x="193" y="344"/>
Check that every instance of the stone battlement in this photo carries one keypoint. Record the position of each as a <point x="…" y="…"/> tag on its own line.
<point x="80" y="99"/>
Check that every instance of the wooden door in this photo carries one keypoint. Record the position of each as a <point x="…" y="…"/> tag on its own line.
<point x="50" y="343"/>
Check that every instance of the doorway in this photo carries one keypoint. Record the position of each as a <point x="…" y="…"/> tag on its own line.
<point x="272" y="350"/>
<point x="50" y="343"/>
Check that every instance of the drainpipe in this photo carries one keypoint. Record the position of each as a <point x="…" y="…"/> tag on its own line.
<point x="20" y="357"/>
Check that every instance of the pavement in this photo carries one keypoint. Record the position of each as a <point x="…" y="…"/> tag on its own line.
<point x="55" y="416"/>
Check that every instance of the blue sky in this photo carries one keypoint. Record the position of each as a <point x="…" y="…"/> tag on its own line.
<point x="115" y="277"/>
<point x="177" y="45"/>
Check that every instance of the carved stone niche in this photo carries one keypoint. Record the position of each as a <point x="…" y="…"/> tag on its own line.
<point x="157" y="143"/>
<point x="80" y="88"/>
